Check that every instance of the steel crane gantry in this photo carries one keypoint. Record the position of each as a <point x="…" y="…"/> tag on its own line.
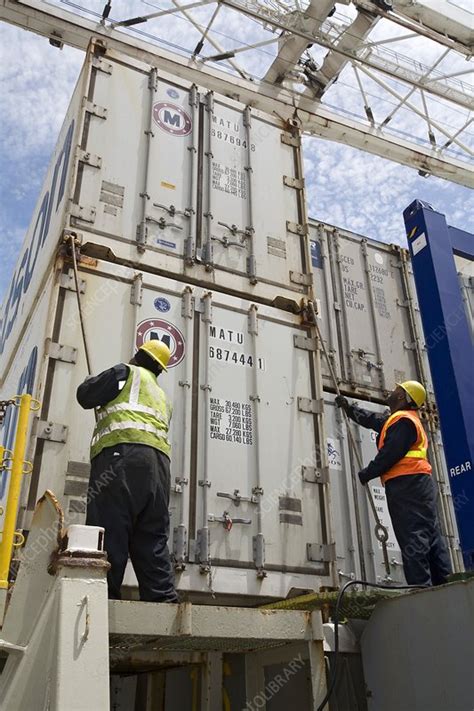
<point x="299" y="84"/>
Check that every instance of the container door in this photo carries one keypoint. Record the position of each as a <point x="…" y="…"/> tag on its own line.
<point x="345" y="510"/>
<point x="259" y="502"/>
<point x="137" y="166"/>
<point x="112" y="152"/>
<point x="377" y="338"/>
<point x="121" y="311"/>
<point x="170" y="207"/>
<point x="166" y="313"/>
<point x="251" y="205"/>
<point x="226" y="478"/>
<point x="374" y="563"/>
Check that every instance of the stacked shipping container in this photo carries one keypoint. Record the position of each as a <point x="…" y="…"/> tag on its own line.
<point x="191" y="216"/>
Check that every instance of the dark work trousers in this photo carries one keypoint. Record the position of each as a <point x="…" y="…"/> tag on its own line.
<point x="412" y="504"/>
<point x="128" y="495"/>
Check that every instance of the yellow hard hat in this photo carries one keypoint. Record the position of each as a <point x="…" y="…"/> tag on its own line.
<point x="158" y="350"/>
<point x="415" y="390"/>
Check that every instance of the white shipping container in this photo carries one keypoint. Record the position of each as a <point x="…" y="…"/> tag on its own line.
<point x="169" y="177"/>
<point x="368" y="312"/>
<point x="253" y="496"/>
<point x="249" y="502"/>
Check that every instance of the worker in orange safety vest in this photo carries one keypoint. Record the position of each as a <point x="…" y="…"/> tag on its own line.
<point x="403" y="467"/>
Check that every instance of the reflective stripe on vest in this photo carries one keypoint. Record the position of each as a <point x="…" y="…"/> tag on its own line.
<point x="140" y="414"/>
<point x="415" y="460"/>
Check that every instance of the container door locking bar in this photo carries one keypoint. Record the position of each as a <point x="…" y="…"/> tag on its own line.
<point x="380" y="531"/>
<point x="237" y="498"/>
<point x="227" y="521"/>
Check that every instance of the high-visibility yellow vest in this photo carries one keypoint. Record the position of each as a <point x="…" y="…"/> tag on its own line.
<point x="140" y="414"/>
<point x="415" y="460"/>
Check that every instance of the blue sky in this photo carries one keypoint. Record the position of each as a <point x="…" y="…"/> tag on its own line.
<point x="346" y="187"/>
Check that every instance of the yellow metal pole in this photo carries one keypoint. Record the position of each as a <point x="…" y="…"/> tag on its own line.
<point x="17" y="470"/>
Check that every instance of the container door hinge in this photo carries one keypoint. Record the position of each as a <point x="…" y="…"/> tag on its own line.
<point x="189" y="251"/>
<point x="315" y="407"/>
<point x="142" y="236"/>
<point x="94" y="109"/>
<point x="66" y="281"/>
<point x="85" y="213"/>
<point x="252" y="269"/>
<point x="180" y="539"/>
<point x="202" y="549"/>
<point x="315" y="475"/>
<point x="300" y="278"/>
<point x="321" y="552"/>
<point x="296" y="183"/>
<point x="88" y="158"/>
<point x="101" y="65"/>
<point x="153" y="79"/>
<point x="206" y="255"/>
<point x="306" y="344"/>
<point x="51" y="431"/>
<point x="290" y="140"/>
<point x="297" y="228"/>
<point x="66" y="354"/>
<point x="258" y="545"/>
<point x="136" y="293"/>
<point x="187" y="303"/>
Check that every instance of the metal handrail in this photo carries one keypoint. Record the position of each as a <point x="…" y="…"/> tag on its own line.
<point x="17" y="467"/>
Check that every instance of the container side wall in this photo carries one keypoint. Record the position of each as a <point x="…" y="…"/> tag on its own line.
<point x="43" y="234"/>
<point x="27" y="375"/>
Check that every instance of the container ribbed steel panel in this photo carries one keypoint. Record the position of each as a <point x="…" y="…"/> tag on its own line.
<point x="368" y="312"/>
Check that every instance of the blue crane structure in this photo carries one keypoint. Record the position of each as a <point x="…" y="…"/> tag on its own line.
<point x="449" y="342"/>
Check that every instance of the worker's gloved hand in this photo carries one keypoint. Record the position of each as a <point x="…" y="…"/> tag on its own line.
<point x="363" y="477"/>
<point x="343" y="402"/>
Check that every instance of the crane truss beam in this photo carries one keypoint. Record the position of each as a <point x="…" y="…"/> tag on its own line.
<point x="68" y="28"/>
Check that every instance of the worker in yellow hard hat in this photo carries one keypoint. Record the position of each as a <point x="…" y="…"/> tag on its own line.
<point x="129" y="485"/>
<point x="403" y="467"/>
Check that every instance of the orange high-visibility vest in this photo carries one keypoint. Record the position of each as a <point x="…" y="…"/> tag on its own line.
<point x="415" y="460"/>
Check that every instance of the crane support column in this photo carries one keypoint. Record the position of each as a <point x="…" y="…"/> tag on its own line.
<point x="448" y="338"/>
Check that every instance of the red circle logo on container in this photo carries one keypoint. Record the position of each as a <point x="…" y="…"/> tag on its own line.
<point x="160" y="330"/>
<point x="172" y="118"/>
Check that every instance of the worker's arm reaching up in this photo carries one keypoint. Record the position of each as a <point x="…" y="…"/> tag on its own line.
<point x="364" y="418"/>
<point x="98" y="390"/>
<point x="399" y="439"/>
